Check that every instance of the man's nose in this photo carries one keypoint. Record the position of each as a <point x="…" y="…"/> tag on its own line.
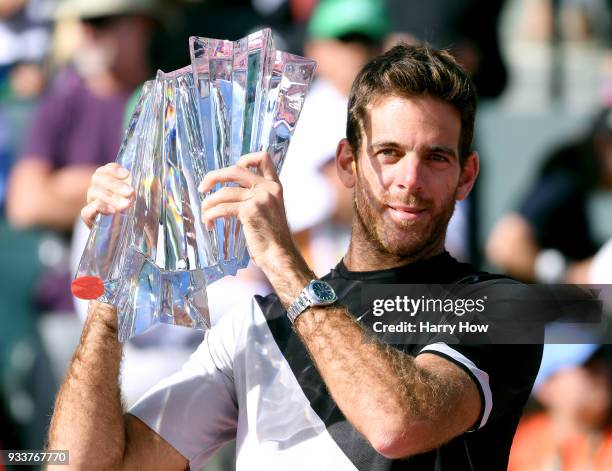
<point x="411" y="174"/>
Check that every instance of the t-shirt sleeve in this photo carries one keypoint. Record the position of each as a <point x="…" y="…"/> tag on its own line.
<point x="47" y="129"/>
<point x="505" y="364"/>
<point x="195" y="410"/>
<point x="504" y="374"/>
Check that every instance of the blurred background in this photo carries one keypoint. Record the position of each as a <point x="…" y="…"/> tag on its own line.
<point x="542" y="209"/>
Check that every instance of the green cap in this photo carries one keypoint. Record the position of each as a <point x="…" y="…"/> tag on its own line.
<point x="337" y="18"/>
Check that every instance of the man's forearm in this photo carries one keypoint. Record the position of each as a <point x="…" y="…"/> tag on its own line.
<point x="88" y="417"/>
<point x="379" y="389"/>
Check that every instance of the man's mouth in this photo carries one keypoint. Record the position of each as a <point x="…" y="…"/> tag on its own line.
<point x="406" y="212"/>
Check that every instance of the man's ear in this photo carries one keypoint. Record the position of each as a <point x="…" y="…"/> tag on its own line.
<point x="468" y="175"/>
<point x="346" y="163"/>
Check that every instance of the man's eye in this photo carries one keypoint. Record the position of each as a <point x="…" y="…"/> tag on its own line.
<point x="388" y="153"/>
<point x="438" y="158"/>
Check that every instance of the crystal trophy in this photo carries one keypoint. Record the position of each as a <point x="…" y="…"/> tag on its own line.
<point x="250" y="98"/>
<point x="154" y="260"/>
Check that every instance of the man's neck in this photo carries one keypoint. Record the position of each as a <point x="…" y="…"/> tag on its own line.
<point x="364" y="254"/>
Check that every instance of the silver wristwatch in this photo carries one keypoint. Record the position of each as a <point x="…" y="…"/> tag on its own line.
<point x="316" y="293"/>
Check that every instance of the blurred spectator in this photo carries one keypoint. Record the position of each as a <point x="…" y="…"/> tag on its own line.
<point x="574" y="432"/>
<point x="342" y="36"/>
<point x="549" y="238"/>
<point x="24" y="43"/>
<point x="24" y="31"/>
<point x="19" y="92"/>
<point x="78" y="126"/>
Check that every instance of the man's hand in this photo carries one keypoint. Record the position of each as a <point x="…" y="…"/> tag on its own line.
<point x="258" y="204"/>
<point x="110" y="192"/>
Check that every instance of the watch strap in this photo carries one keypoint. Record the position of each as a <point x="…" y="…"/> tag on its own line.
<point x="299" y="305"/>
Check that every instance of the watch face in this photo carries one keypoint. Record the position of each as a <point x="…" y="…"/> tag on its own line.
<point x="323" y="292"/>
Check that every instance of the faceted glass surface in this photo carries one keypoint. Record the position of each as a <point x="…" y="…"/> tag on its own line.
<point x="154" y="260"/>
<point x="250" y="98"/>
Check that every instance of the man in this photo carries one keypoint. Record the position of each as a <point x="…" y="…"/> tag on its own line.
<point x="292" y="378"/>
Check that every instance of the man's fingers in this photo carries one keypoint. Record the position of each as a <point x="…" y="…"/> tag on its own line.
<point x="108" y="197"/>
<point x="90" y="211"/>
<point x="219" y="211"/>
<point x="110" y="192"/>
<point x="233" y="174"/>
<point x="111" y="184"/>
<point x="262" y="161"/>
<point x="113" y="169"/>
<point x="228" y="194"/>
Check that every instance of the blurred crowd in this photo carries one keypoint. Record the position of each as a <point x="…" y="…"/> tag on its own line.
<point x="70" y="71"/>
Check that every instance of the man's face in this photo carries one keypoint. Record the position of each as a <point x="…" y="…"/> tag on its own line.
<point x="408" y="174"/>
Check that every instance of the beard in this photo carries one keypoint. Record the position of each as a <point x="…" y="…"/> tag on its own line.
<point x="405" y="239"/>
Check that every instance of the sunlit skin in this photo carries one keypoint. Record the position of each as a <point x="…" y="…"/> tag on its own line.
<point x="406" y="179"/>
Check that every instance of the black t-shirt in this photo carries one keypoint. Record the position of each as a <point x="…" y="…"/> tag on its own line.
<point x="252" y="379"/>
<point x="504" y="374"/>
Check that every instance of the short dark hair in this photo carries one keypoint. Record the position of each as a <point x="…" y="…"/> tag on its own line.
<point x="412" y="71"/>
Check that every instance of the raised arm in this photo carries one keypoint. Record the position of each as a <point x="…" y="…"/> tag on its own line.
<point x="88" y="419"/>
